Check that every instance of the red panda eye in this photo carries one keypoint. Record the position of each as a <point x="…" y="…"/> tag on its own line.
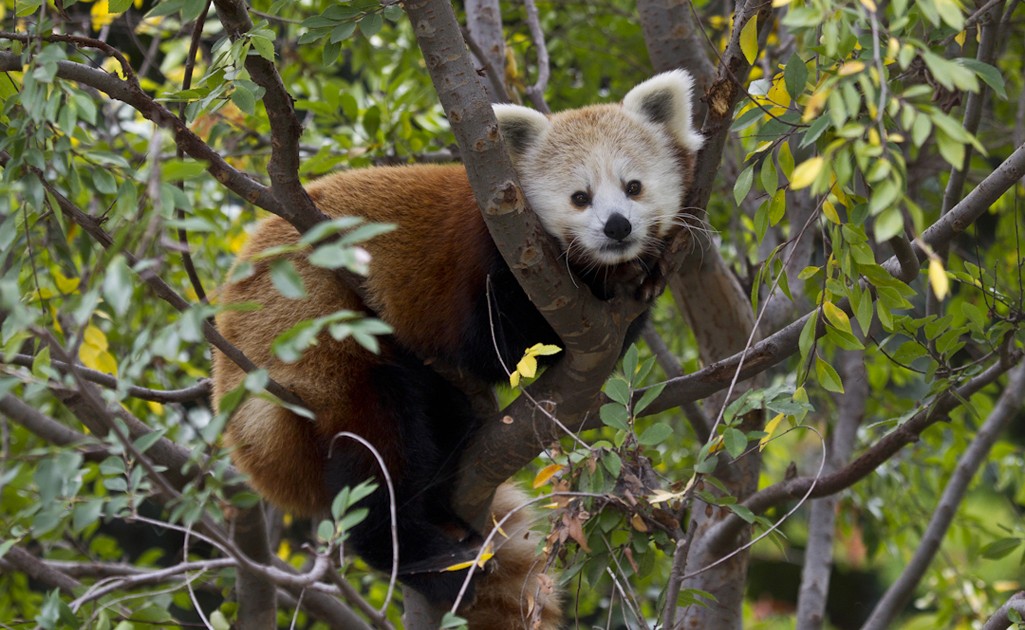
<point x="580" y="199"/>
<point x="633" y="188"/>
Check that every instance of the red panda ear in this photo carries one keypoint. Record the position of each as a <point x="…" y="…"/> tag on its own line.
<point x="521" y="128"/>
<point x="665" y="100"/>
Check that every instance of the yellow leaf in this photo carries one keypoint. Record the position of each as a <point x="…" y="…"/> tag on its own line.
<point x="837" y="317"/>
<point x="498" y="528"/>
<point x="664" y="496"/>
<point x="543" y="350"/>
<point x="780" y="3"/>
<point x="236" y="242"/>
<point x="778" y="94"/>
<point x="851" y="67"/>
<point x="94" y="337"/>
<point x="155" y="407"/>
<point x="638" y="523"/>
<point x="527" y="366"/>
<point x="106" y="362"/>
<point x="716" y="446"/>
<point x="938" y="278"/>
<point x="815" y="103"/>
<point x="869" y="4"/>
<point x="829" y="210"/>
<point x="65" y="285"/>
<point x="284" y="550"/>
<point x="101" y="14"/>
<point x="486" y="555"/>
<point x="806" y="173"/>
<point x="749" y="40"/>
<point x="770" y="430"/>
<point x="545" y="474"/>
<point x="960" y="38"/>
<point x="514" y="379"/>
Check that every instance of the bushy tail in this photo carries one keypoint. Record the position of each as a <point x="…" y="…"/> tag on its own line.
<point x="518" y="593"/>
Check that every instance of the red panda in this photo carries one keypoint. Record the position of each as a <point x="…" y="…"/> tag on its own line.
<point x="607" y="181"/>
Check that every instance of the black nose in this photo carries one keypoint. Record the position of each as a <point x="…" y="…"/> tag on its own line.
<point x="617" y="227"/>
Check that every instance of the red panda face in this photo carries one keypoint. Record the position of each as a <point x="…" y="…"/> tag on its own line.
<point x="607" y="181"/>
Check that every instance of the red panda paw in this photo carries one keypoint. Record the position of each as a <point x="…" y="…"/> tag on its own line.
<point x="654" y="283"/>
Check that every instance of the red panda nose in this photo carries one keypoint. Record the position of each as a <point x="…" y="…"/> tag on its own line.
<point x="617" y="227"/>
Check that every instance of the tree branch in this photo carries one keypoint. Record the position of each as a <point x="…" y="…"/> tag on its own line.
<point x="30" y="565"/>
<point x="199" y="391"/>
<point x="1000" y="620"/>
<point x="673" y="38"/>
<point x="780" y="345"/>
<point x="818" y="555"/>
<point x="93" y="228"/>
<point x="293" y="204"/>
<point x="44" y="426"/>
<point x="897" y="596"/>
<point x="588" y="327"/>
<point x="885" y="448"/>
<point x="485" y="39"/>
<point x="118" y="89"/>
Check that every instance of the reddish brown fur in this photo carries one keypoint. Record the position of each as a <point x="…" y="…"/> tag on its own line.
<point x="282" y="453"/>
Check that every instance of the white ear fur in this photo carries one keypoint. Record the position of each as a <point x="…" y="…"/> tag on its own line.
<point x="665" y="99"/>
<point x="520" y="126"/>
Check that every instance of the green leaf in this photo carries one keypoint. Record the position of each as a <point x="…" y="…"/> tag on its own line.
<point x="655" y="434"/>
<point x="807" y="337"/>
<point x="990" y="75"/>
<point x="743" y="184"/>
<point x="342" y="32"/>
<point x="735" y="442"/>
<point x="795" y="76"/>
<point x="768" y="176"/>
<point x="244" y="99"/>
<point x="612" y="463"/>
<point x="649" y="395"/>
<point x="828" y="376"/>
<point x="618" y="390"/>
<point x="615" y="415"/>
<point x="144" y="442"/>
<point x="888" y="224"/>
<point x="286" y="279"/>
<point x="85" y="514"/>
<point x="777" y="206"/>
<point x="1000" y="548"/>
<point x="371" y="25"/>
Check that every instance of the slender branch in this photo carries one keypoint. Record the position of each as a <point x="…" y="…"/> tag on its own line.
<point x="283" y="168"/>
<point x="1000" y="620"/>
<point x="672" y="35"/>
<point x="782" y="344"/>
<point x="42" y="425"/>
<point x="484" y="37"/>
<point x="183" y="235"/>
<point x="199" y="391"/>
<point x="536" y="92"/>
<point x="31" y="566"/>
<point x="133" y="577"/>
<point x="93" y="227"/>
<point x="897" y="596"/>
<point x="885" y="448"/>
<point x="699" y="422"/>
<point x="121" y="90"/>
<point x="818" y="556"/>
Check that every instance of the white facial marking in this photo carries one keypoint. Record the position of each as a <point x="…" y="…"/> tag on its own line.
<point x="599" y="152"/>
